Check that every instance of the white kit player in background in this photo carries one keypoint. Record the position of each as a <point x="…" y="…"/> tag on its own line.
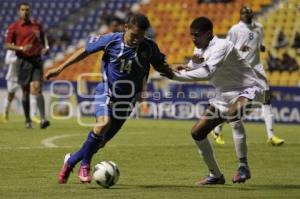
<point x="13" y="87"/>
<point x="247" y="36"/>
<point x="235" y="82"/>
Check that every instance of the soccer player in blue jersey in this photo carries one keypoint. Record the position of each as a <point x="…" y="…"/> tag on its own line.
<point x="125" y="68"/>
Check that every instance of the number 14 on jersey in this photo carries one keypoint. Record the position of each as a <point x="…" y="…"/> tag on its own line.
<point x="125" y="67"/>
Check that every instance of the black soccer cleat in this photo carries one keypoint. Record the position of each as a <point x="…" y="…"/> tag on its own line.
<point x="44" y="124"/>
<point x="28" y="125"/>
<point x="243" y="174"/>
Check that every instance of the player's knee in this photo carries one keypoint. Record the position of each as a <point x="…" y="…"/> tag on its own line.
<point x="238" y="129"/>
<point x="11" y="96"/>
<point x="198" y="134"/>
<point x="98" y="129"/>
<point x="233" y="114"/>
<point x="267" y="97"/>
<point x="101" y="126"/>
<point x="35" y="90"/>
<point x="232" y="111"/>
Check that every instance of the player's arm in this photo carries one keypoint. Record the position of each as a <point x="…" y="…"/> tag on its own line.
<point x="202" y="73"/>
<point x="12" y="46"/>
<point x="206" y="69"/>
<point x="9" y="43"/>
<point x="164" y="70"/>
<point x="45" y="43"/>
<point x="93" y="44"/>
<point x="195" y="62"/>
<point x="158" y="61"/>
<point x="79" y="55"/>
<point x="262" y="46"/>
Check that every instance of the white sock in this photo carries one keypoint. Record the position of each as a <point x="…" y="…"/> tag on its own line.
<point x="207" y="153"/>
<point x="239" y="138"/>
<point x="268" y="117"/>
<point x="33" y="105"/>
<point x="218" y="129"/>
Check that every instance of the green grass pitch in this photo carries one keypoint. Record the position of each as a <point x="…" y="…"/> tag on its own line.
<point x="157" y="159"/>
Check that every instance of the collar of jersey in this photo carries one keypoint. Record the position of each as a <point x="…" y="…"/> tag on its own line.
<point x="252" y="25"/>
<point x="23" y="23"/>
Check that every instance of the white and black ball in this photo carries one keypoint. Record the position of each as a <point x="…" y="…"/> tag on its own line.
<point x="106" y="173"/>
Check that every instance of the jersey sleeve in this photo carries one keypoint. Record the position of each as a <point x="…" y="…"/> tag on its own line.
<point x="201" y="73"/>
<point x="261" y="36"/>
<point x="158" y="61"/>
<point x="157" y="58"/>
<point x="42" y="36"/>
<point x="10" y="36"/>
<point x="216" y="57"/>
<point x="96" y="43"/>
<point x="232" y="35"/>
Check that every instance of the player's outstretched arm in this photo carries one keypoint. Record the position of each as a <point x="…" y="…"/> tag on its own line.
<point x="79" y="55"/>
<point x="198" y="74"/>
<point x="164" y="70"/>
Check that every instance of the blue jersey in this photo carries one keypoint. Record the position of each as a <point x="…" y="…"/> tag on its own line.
<point x="125" y="69"/>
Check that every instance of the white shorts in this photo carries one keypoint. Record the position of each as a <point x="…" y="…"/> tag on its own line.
<point x="261" y="76"/>
<point x="12" y="86"/>
<point x="222" y="101"/>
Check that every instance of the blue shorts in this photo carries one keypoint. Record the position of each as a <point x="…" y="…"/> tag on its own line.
<point x="118" y="109"/>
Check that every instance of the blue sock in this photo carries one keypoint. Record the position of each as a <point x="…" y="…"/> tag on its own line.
<point x="79" y="155"/>
<point x="91" y="147"/>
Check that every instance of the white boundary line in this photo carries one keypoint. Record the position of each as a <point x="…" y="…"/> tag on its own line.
<point x="49" y="142"/>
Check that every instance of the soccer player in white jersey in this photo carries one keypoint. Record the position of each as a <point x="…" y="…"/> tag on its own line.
<point x="236" y="85"/>
<point x="13" y="87"/>
<point x="247" y="36"/>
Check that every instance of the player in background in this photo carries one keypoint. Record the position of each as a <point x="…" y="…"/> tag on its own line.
<point x="125" y="68"/>
<point x="27" y="38"/>
<point x="247" y="36"/>
<point x="13" y="87"/>
<point x="235" y="82"/>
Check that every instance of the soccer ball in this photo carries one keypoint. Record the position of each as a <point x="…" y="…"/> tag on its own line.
<point x="106" y="173"/>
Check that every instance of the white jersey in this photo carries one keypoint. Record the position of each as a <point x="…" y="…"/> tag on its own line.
<point x="223" y="67"/>
<point x="242" y="34"/>
<point x="11" y="61"/>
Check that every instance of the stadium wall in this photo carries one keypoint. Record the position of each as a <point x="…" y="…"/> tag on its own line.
<point x="163" y="100"/>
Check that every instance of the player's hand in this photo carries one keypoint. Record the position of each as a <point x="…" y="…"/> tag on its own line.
<point x="26" y="47"/>
<point x="197" y="59"/>
<point x="168" y="73"/>
<point x="52" y="73"/>
<point x="245" y="48"/>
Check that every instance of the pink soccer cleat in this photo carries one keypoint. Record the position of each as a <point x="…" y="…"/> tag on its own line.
<point x="65" y="171"/>
<point x="84" y="174"/>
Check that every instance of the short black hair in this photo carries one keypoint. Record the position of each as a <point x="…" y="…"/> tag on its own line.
<point x="139" y="20"/>
<point x="23" y="4"/>
<point x="202" y="24"/>
<point x="247" y="8"/>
